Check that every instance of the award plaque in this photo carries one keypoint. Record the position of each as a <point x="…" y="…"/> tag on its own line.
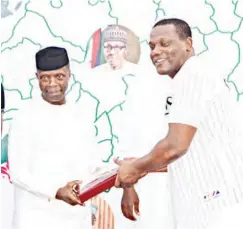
<point x="102" y="182"/>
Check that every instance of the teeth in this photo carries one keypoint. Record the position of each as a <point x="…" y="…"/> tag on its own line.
<point x="159" y="60"/>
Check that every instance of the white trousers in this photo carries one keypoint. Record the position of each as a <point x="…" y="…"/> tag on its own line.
<point x="7" y="203"/>
<point x="231" y="218"/>
<point x="155" y="204"/>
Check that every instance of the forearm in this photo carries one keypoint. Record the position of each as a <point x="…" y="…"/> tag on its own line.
<point x="157" y="160"/>
<point x="20" y="156"/>
<point x="41" y="188"/>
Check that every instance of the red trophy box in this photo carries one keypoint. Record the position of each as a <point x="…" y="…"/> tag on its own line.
<point x="101" y="183"/>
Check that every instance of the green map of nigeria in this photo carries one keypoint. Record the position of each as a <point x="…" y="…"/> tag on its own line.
<point x="28" y="26"/>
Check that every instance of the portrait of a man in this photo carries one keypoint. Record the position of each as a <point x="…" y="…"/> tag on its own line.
<point x="119" y="47"/>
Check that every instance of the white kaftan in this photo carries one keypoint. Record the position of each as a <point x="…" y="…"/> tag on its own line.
<point x="49" y="145"/>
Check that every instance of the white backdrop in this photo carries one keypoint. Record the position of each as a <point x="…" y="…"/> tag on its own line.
<point x="27" y="26"/>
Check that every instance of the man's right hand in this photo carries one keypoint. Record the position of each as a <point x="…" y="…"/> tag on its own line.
<point x="68" y="194"/>
<point x="130" y="203"/>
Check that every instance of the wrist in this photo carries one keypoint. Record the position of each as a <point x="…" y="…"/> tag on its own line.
<point x="128" y="189"/>
<point x="139" y="165"/>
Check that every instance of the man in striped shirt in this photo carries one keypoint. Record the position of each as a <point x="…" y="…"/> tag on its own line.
<point x="203" y="148"/>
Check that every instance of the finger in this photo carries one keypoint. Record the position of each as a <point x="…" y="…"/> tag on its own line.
<point x="82" y="204"/>
<point x="72" y="183"/>
<point x="75" y="186"/>
<point x="76" y="195"/>
<point x="74" y="199"/>
<point x="117" y="182"/>
<point x="136" y="207"/>
<point x="124" y="210"/>
<point x="131" y="213"/>
<point x="143" y="174"/>
<point x="127" y="211"/>
<point x="117" y="161"/>
<point x="129" y="158"/>
<point x="76" y="189"/>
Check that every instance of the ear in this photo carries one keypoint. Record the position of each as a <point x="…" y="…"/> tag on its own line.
<point x="125" y="54"/>
<point x="126" y="51"/>
<point x="189" y="44"/>
<point x="37" y="75"/>
<point x="69" y="75"/>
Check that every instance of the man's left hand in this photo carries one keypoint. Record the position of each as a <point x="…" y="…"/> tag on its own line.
<point x="128" y="174"/>
<point x="130" y="203"/>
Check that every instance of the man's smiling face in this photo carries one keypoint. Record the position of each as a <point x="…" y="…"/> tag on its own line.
<point x="168" y="50"/>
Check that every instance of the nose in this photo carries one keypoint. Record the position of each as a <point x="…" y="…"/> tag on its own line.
<point x="156" y="51"/>
<point x="52" y="81"/>
<point x="112" y="51"/>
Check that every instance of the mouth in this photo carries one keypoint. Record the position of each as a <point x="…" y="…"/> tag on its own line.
<point x="110" y="58"/>
<point x="53" y="92"/>
<point x="158" y="61"/>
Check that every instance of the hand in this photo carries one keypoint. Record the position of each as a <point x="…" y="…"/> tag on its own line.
<point x="128" y="174"/>
<point x="68" y="194"/>
<point x="130" y="203"/>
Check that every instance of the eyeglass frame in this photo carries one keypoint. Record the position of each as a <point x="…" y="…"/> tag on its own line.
<point x="116" y="48"/>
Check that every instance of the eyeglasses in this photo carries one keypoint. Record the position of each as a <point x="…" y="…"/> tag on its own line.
<point x="116" y="48"/>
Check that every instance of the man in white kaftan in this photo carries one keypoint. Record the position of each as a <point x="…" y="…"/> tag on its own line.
<point x="51" y="148"/>
<point x="6" y="186"/>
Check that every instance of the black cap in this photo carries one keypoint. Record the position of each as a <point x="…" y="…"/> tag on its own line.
<point x="51" y="58"/>
<point x="2" y="98"/>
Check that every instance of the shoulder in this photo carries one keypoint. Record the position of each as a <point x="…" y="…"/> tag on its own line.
<point x="130" y="67"/>
<point x="31" y="105"/>
<point x="191" y="67"/>
<point x="149" y="76"/>
<point x="102" y="67"/>
<point x="196" y="71"/>
<point x="128" y="63"/>
<point x="153" y="88"/>
<point x="25" y="112"/>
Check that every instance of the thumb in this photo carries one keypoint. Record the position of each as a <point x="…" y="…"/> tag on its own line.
<point x="74" y="183"/>
<point x="143" y="174"/>
<point x="117" y="182"/>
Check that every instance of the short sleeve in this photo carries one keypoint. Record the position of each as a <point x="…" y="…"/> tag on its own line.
<point x="193" y="92"/>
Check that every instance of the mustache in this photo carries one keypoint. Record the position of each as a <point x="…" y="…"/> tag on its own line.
<point x="110" y="55"/>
